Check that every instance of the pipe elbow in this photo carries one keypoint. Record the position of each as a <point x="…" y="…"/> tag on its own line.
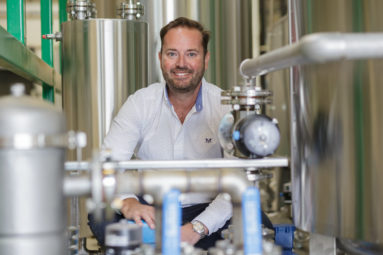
<point x="235" y="183"/>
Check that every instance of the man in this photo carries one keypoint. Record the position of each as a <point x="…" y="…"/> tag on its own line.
<point x="173" y="120"/>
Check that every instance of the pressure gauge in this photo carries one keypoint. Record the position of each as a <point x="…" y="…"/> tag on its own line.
<point x="256" y="136"/>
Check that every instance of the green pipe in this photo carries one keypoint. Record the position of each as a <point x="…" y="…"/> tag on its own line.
<point x="16" y="20"/>
<point x="47" y="45"/>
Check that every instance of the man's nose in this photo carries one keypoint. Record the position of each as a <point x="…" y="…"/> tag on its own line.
<point x="181" y="61"/>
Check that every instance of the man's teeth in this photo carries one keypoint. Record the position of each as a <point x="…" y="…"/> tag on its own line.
<point x="181" y="74"/>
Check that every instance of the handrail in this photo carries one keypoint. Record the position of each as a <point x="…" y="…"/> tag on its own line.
<point x="14" y="56"/>
<point x="17" y="58"/>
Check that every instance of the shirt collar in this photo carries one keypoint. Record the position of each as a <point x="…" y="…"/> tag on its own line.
<point x="198" y="102"/>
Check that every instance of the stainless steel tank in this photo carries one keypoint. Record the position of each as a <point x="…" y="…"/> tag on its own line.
<point x="104" y="61"/>
<point x="234" y="27"/>
<point x="32" y="219"/>
<point x="337" y="128"/>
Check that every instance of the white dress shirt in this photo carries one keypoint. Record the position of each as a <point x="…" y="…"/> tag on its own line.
<point x="148" y="126"/>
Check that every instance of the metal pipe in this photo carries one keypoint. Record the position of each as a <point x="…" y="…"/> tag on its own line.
<point x="186" y="164"/>
<point x="157" y="183"/>
<point x="77" y="186"/>
<point x="316" y="48"/>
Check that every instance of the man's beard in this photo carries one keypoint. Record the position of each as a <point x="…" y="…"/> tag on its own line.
<point x="182" y="88"/>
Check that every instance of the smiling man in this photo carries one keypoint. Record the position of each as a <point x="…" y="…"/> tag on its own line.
<point x="174" y="120"/>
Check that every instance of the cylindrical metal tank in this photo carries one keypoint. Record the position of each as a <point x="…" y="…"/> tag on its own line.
<point x="104" y="61"/>
<point x="32" y="218"/>
<point x="337" y="127"/>
<point x="234" y="31"/>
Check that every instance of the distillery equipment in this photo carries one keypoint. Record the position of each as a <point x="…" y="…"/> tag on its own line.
<point x="104" y="61"/>
<point x="334" y="119"/>
<point x="33" y="141"/>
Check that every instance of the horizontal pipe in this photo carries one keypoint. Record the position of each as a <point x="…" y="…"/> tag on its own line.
<point x="186" y="164"/>
<point x="316" y="48"/>
<point x="77" y="186"/>
<point x="157" y="183"/>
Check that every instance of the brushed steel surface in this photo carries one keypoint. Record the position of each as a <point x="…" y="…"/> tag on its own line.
<point x="316" y="48"/>
<point x="336" y="130"/>
<point x="32" y="219"/>
<point x="104" y="61"/>
<point x="49" y="244"/>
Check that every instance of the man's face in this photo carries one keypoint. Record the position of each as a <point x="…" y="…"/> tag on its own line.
<point x="183" y="63"/>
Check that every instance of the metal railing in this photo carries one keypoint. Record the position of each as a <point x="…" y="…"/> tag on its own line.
<point x="16" y="57"/>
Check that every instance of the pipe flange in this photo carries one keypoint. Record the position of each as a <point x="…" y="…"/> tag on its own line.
<point x="131" y="10"/>
<point x="81" y="9"/>
<point x="245" y="96"/>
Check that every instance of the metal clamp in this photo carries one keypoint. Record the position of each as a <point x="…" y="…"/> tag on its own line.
<point x="246" y="96"/>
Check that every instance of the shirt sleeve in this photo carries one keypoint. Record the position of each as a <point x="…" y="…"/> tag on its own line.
<point x="125" y="131"/>
<point x="216" y="214"/>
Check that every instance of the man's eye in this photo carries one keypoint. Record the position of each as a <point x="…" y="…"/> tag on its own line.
<point x="192" y="54"/>
<point x="172" y="54"/>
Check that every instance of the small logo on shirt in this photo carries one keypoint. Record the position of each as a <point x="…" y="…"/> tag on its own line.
<point x="208" y="140"/>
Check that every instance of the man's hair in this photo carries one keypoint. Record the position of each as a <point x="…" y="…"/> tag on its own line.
<point x="185" y="22"/>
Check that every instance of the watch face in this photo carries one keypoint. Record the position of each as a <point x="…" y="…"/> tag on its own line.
<point x="199" y="228"/>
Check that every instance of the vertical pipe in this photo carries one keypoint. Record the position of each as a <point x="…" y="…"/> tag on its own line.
<point x="172" y="220"/>
<point x="16" y="19"/>
<point x="252" y="226"/>
<point x="158" y="215"/>
<point x="359" y="72"/>
<point x="237" y="221"/>
<point x="47" y="45"/>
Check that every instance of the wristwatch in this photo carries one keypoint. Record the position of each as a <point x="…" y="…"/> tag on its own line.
<point x="199" y="228"/>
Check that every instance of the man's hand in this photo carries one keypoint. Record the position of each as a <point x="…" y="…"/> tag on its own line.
<point x="189" y="235"/>
<point x="134" y="210"/>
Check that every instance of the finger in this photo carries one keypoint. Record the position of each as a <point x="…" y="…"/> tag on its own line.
<point x="149" y="221"/>
<point x="137" y="219"/>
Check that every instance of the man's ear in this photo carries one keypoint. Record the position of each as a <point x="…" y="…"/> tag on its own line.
<point x="159" y="55"/>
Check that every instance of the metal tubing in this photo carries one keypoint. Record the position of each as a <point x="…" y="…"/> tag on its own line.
<point x="157" y="183"/>
<point x="187" y="164"/>
<point x="77" y="186"/>
<point x="16" y="19"/>
<point x="316" y="48"/>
